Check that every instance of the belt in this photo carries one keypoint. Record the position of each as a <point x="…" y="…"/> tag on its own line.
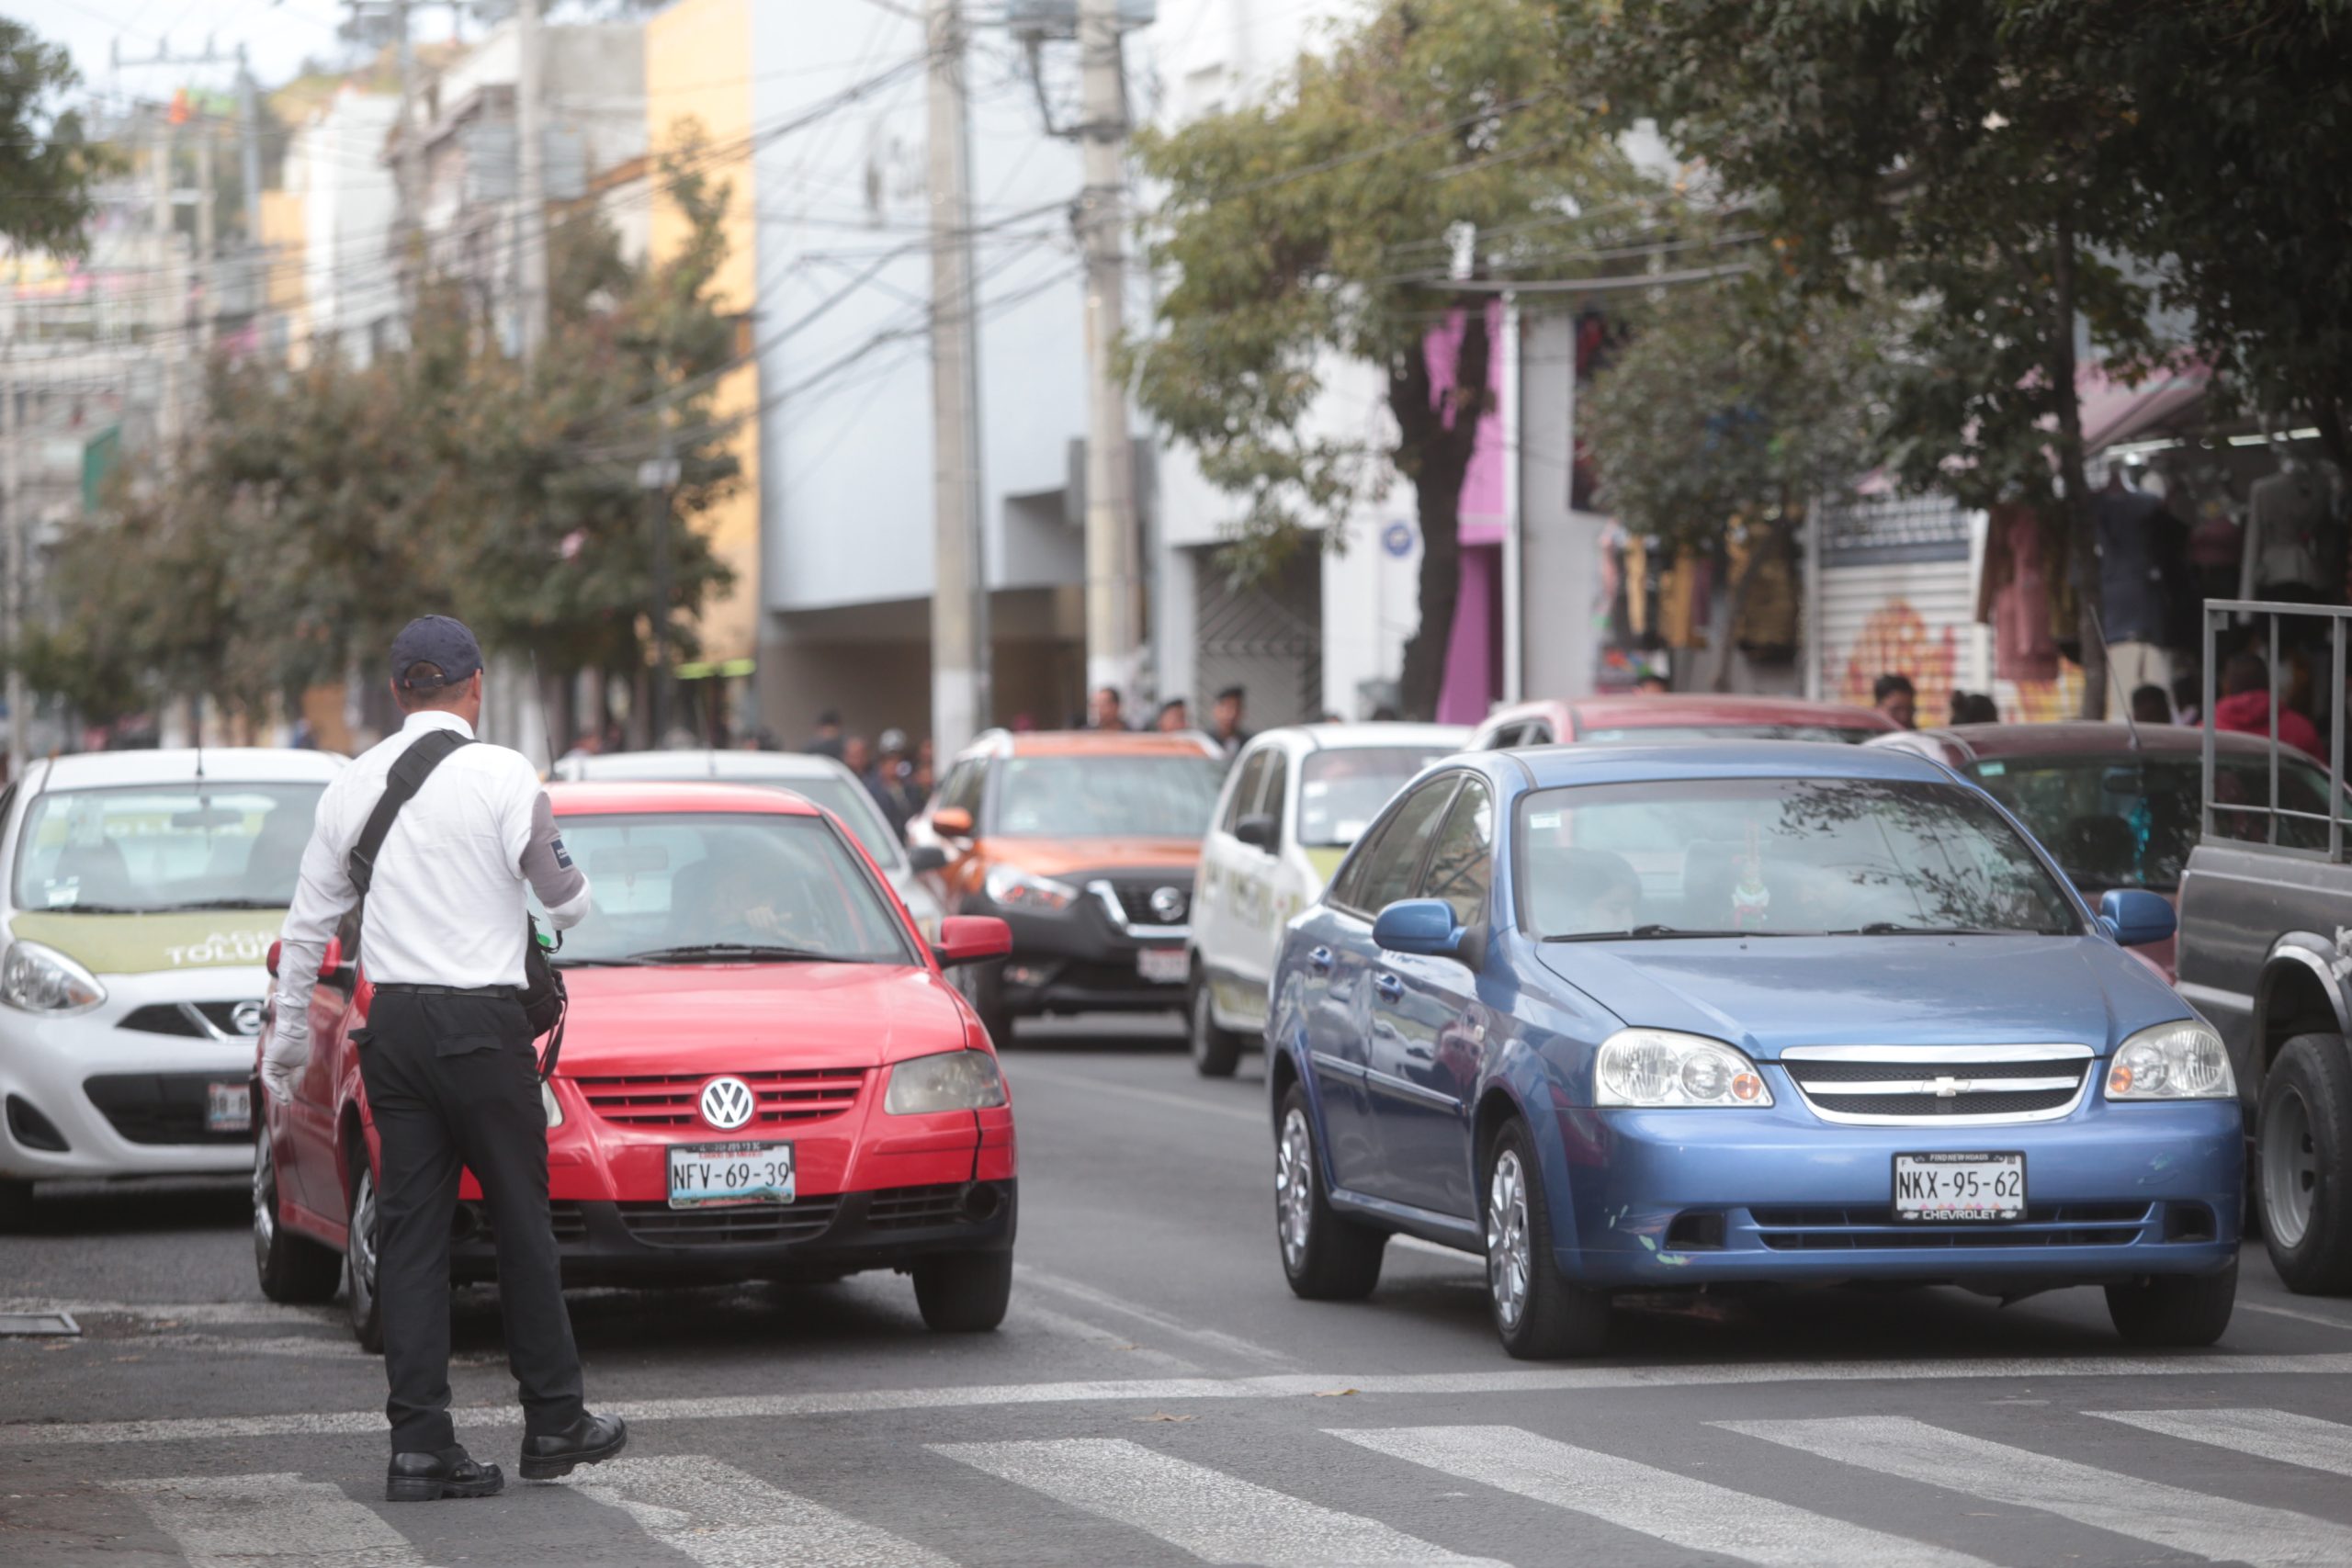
<point x="494" y="993"/>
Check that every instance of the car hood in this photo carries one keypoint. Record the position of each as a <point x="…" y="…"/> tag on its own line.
<point x="707" y="1017"/>
<point x="1057" y="857"/>
<point x="1769" y="993"/>
<point x="144" y="944"/>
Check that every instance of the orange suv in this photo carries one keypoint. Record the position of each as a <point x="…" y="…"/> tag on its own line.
<point x="1083" y="841"/>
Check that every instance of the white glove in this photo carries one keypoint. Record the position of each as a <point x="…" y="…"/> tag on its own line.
<point x="285" y="1055"/>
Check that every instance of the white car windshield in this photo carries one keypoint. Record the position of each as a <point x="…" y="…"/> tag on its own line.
<point x="1780" y="857"/>
<point x="1341" y="789"/>
<point x="151" y="849"/>
<point x="713" y="887"/>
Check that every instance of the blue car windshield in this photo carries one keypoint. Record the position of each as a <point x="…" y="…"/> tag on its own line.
<point x="1778" y="857"/>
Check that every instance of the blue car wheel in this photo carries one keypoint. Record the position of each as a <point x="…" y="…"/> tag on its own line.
<point x="1326" y="1257"/>
<point x="1538" y="1313"/>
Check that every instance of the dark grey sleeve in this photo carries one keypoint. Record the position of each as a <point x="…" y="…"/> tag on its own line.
<point x="561" y="885"/>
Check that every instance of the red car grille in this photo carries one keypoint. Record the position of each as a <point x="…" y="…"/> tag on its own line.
<point x="673" y="1099"/>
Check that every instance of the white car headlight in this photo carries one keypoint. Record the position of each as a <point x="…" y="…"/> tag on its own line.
<point x="550" y="1104"/>
<point x="42" y="979"/>
<point x="1659" y="1067"/>
<point x="2183" y="1060"/>
<point x="953" y="1080"/>
<point x="1016" y="889"/>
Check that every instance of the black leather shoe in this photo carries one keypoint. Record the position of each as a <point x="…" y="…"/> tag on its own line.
<point x="427" y="1477"/>
<point x="592" y="1440"/>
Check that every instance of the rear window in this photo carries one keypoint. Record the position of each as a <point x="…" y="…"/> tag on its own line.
<point x="1138" y="796"/>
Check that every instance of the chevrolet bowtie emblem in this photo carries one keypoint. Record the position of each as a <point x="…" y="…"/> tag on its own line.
<point x="1945" y="1088"/>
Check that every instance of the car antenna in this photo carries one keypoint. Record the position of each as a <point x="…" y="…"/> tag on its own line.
<point x="2098" y="630"/>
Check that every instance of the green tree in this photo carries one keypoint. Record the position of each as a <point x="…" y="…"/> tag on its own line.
<point x="1738" y="405"/>
<point x="1915" y="145"/>
<point x="1317" y="228"/>
<point x="47" y="163"/>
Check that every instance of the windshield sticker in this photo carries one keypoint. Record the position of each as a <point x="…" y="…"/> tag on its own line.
<point x="1314" y="789"/>
<point x="1542" y="821"/>
<point x="62" y="896"/>
<point x="1991" y="769"/>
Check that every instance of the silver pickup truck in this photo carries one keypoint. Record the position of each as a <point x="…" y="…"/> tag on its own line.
<point x="2266" y="951"/>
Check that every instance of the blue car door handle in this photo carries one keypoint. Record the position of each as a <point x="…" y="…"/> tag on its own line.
<point x="1389" y="987"/>
<point x="1319" y="960"/>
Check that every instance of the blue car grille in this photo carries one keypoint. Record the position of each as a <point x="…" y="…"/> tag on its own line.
<point x="1816" y="1229"/>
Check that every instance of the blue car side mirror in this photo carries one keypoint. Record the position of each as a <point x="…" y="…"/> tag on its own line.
<point x="1419" y="925"/>
<point x="2135" y="917"/>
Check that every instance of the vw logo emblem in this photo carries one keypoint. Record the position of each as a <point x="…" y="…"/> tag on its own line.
<point x="726" y="1103"/>
<point x="245" y="1018"/>
<point x="1168" y="905"/>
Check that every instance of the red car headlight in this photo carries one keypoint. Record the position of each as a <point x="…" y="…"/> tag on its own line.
<point x="952" y="1080"/>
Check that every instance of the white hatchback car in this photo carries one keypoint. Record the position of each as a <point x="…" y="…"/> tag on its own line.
<point x="143" y="892"/>
<point x="819" y="780"/>
<point x="1294" y="800"/>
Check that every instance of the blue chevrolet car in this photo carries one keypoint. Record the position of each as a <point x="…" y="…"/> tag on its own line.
<point x="1741" y="1014"/>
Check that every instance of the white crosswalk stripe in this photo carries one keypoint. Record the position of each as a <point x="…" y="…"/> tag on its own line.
<point x="2199" y="1523"/>
<point x="2281" y="1434"/>
<point x="243" y="1522"/>
<point x="721" y="1517"/>
<point x="1215" y="1516"/>
<point x="1695" y="1514"/>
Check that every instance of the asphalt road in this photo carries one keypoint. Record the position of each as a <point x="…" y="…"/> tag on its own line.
<point x="1157" y="1397"/>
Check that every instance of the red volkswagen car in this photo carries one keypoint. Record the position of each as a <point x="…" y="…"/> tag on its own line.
<point x="764" y="1076"/>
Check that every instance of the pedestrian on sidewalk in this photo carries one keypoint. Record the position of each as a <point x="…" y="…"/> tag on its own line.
<point x="444" y="836"/>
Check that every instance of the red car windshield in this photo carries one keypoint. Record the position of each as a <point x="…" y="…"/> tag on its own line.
<point x="682" y="885"/>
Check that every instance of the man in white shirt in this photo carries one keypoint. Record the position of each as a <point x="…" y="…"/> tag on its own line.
<point x="447" y="1057"/>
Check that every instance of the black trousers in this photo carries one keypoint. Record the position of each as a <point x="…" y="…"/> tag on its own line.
<point x="453" y="1086"/>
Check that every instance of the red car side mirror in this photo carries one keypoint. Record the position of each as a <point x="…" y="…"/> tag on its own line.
<point x="329" y="964"/>
<point x="271" y="962"/>
<point x="970" y="939"/>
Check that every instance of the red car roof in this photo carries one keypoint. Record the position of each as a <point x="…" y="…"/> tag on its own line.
<point x="669" y="795"/>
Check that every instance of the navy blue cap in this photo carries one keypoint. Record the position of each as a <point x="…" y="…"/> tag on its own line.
<point x="439" y="641"/>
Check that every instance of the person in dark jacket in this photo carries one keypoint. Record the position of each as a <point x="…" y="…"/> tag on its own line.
<point x="2246" y="704"/>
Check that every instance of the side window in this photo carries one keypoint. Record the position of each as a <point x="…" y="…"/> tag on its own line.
<point x="1461" y="865"/>
<point x="1272" y="803"/>
<point x="1384" y="871"/>
<point x="1536" y="734"/>
<point x="963" y="787"/>
<point x="1244" y="799"/>
<point x="1506" y="738"/>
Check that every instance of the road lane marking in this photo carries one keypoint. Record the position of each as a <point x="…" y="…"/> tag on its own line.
<point x="1026" y="1073"/>
<point x="1208" y="1338"/>
<point x="2290" y="1311"/>
<point x="1694" y="1515"/>
<point x="2281" y="1434"/>
<point x="238" y="1521"/>
<point x="721" y="1517"/>
<point x="2201" y="1523"/>
<point x="1215" y="1516"/>
<point x="1095" y="1334"/>
<point x="1273" y="1386"/>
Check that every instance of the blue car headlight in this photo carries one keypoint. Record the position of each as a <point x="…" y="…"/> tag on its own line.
<point x="1659" y="1067"/>
<point x="953" y="1080"/>
<point x="2182" y="1060"/>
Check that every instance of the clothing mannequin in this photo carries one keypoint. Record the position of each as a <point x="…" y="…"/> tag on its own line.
<point x="2139" y="552"/>
<point x="2284" y="520"/>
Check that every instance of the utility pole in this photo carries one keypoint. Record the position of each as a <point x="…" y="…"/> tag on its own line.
<point x="206" y="239"/>
<point x="249" y="158"/>
<point x="408" y="176"/>
<point x="11" y="443"/>
<point x="657" y="477"/>
<point x="1112" y="575"/>
<point x="960" y="700"/>
<point x="530" y="180"/>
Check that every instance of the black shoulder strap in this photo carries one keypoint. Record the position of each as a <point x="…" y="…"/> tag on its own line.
<point x="408" y="775"/>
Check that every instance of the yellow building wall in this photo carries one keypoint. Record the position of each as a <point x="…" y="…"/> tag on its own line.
<point x="697" y="80"/>
<point x="285" y="238"/>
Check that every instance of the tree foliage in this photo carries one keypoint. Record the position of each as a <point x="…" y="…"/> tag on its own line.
<point x="1915" y="146"/>
<point x="1317" y="228"/>
<point x="47" y="163"/>
<point x="312" y="512"/>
